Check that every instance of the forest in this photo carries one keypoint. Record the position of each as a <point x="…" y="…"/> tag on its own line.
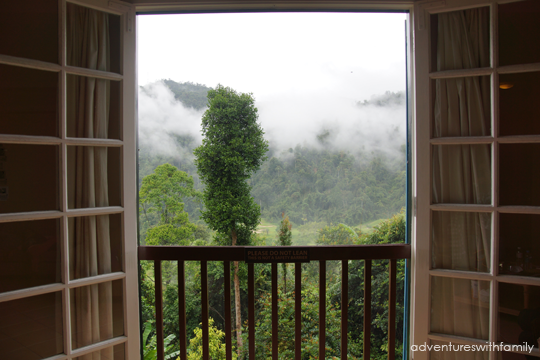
<point x="313" y="194"/>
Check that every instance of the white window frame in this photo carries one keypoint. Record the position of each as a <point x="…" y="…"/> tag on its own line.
<point x="128" y="207"/>
<point x="422" y="271"/>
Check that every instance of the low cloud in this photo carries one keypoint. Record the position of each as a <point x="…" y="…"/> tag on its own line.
<point x="291" y="119"/>
<point x="319" y="119"/>
<point x="161" y="118"/>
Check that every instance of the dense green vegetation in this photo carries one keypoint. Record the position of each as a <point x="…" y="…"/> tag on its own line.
<point x="306" y="195"/>
<point x="314" y="185"/>
<point x="162" y="208"/>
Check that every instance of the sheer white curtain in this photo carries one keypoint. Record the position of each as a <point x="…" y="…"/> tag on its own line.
<point x="88" y="47"/>
<point x="461" y="175"/>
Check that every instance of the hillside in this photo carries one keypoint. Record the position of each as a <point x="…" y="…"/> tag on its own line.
<point x="311" y="184"/>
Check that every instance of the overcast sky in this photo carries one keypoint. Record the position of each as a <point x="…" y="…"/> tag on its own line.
<point x="305" y="70"/>
<point x="354" y="55"/>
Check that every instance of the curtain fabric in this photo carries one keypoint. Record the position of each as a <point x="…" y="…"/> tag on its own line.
<point x="461" y="175"/>
<point x="88" y="47"/>
<point x="461" y="241"/>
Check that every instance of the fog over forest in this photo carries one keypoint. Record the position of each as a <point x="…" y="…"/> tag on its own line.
<point x="329" y="92"/>
<point x="316" y="120"/>
<point x="331" y="159"/>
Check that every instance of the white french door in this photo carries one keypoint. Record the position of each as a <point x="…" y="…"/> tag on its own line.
<point x="476" y="262"/>
<point x="68" y="265"/>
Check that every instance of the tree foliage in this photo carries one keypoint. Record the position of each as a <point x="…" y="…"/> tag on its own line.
<point x="150" y="348"/>
<point x="162" y="193"/>
<point x="233" y="148"/>
<point x="314" y="185"/>
<point x="216" y="344"/>
<point x="285" y="234"/>
<point x="286" y="325"/>
<point x="161" y="197"/>
<point x="340" y="234"/>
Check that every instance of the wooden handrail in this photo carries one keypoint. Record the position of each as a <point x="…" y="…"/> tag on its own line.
<point x="236" y="253"/>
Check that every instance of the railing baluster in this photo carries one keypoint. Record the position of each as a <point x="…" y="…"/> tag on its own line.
<point x="159" y="309"/>
<point x="204" y="306"/>
<point x="274" y="311"/>
<point x="392" y="310"/>
<point x="367" y="309"/>
<point x="182" y="309"/>
<point x="322" y="309"/>
<point x="344" y="307"/>
<point x="298" y="311"/>
<point x="251" y="310"/>
<point x="227" y="294"/>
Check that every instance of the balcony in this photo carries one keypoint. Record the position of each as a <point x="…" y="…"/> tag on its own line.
<point x="321" y="254"/>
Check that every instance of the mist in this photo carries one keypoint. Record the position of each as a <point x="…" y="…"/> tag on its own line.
<point x="318" y="119"/>
<point x="162" y="118"/>
<point x="326" y="120"/>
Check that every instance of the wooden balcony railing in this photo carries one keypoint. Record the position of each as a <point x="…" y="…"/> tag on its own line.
<point x="392" y="252"/>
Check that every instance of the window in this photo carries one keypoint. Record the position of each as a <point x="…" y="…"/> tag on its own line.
<point x="477" y="145"/>
<point x="66" y="150"/>
<point x="35" y="46"/>
<point x="336" y="160"/>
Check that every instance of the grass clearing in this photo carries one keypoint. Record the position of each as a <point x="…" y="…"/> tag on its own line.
<point x="306" y="234"/>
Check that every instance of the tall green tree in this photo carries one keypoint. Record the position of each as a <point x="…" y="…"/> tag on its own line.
<point x="233" y="148"/>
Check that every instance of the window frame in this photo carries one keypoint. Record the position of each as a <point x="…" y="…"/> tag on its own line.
<point x="423" y="271"/>
<point x="128" y="207"/>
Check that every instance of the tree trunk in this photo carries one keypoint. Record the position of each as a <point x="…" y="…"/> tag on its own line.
<point x="284" y="278"/>
<point x="239" y="342"/>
